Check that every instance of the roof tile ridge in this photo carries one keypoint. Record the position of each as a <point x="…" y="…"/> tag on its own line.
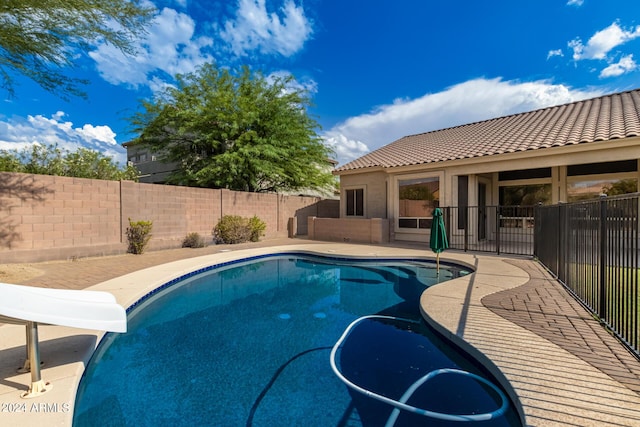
<point x="631" y="115"/>
<point x="603" y="120"/>
<point x="560" y="129"/>
<point x="570" y="125"/>
<point x="589" y="129"/>
<point x="516" y="126"/>
<point x="533" y="128"/>
<point x="574" y="134"/>
<point x="616" y="119"/>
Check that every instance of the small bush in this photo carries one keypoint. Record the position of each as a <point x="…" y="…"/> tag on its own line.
<point x="257" y="227"/>
<point x="138" y="235"/>
<point x="193" y="240"/>
<point x="233" y="229"/>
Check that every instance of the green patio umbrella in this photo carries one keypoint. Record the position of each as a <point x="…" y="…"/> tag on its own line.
<point x="438" y="241"/>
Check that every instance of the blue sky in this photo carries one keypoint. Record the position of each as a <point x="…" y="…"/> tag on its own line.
<point x="377" y="69"/>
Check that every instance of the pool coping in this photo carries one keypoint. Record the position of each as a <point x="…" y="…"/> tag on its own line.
<point x="454" y="308"/>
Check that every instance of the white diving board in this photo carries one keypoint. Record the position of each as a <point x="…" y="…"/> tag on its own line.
<point x="27" y="305"/>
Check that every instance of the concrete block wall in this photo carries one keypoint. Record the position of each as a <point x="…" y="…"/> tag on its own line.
<point x="50" y="217"/>
<point x="49" y="213"/>
<point x="300" y="208"/>
<point x="265" y="206"/>
<point x="353" y="230"/>
<point x="175" y="211"/>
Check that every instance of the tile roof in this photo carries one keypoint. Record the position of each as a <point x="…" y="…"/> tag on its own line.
<point x="609" y="117"/>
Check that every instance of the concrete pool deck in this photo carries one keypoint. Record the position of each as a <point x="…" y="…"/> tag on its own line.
<point x="563" y="366"/>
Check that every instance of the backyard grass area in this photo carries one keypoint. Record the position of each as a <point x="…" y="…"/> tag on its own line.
<point x="622" y="304"/>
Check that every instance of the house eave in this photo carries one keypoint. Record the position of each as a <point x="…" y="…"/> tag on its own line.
<point x="359" y="170"/>
<point x="620" y="149"/>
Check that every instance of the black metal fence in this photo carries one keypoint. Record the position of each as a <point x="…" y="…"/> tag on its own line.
<point x="593" y="249"/>
<point x="497" y="229"/>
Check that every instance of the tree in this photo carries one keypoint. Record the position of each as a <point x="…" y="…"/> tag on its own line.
<point x="9" y="162"/>
<point x="38" y="37"/>
<point x="525" y="195"/>
<point x="85" y="163"/>
<point x="239" y="131"/>
<point x="51" y="160"/>
<point x="623" y="186"/>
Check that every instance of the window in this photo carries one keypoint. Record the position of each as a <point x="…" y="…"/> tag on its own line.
<point x="524" y="174"/>
<point x="603" y="168"/>
<point x="417" y="198"/>
<point x="592" y="189"/>
<point x="525" y="195"/>
<point x="355" y="202"/>
<point x="517" y="204"/>
<point x="589" y="181"/>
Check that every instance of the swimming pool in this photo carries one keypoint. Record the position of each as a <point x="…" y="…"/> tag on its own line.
<point x="249" y="343"/>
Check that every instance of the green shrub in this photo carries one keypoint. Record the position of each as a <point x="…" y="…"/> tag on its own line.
<point x="233" y="229"/>
<point x="138" y="235"/>
<point x="193" y="240"/>
<point x="257" y="227"/>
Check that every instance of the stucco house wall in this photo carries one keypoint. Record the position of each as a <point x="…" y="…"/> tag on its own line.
<point x="375" y="185"/>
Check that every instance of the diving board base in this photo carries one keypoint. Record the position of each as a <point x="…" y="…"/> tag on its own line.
<point x="37" y="389"/>
<point x="38" y="386"/>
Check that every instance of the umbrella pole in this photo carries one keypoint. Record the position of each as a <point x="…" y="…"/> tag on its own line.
<point x="438" y="263"/>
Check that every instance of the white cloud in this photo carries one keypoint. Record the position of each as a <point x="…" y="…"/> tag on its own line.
<point x="602" y="42"/>
<point x="19" y="132"/>
<point x="345" y="149"/>
<point x="625" y="65"/>
<point x="255" y="29"/>
<point x="575" y="2"/>
<point x="305" y="85"/>
<point x="467" y="102"/>
<point x="170" y="47"/>
<point x="556" y="52"/>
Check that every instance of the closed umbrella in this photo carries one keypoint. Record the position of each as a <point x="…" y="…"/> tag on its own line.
<point x="438" y="241"/>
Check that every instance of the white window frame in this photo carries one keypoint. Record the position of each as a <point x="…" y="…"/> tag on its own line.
<point x="396" y="194"/>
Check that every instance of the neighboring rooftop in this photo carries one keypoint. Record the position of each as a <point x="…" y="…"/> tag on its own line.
<point x="608" y="117"/>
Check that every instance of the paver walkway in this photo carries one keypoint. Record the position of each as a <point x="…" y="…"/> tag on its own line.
<point x="85" y="272"/>
<point x="545" y="308"/>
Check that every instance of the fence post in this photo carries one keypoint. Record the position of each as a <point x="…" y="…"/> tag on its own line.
<point x="466" y="227"/>
<point x="536" y="218"/>
<point x="603" y="256"/>
<point x="448" y="221"/>
<point x="561" y="263"/>
<point x="497" y="230"/>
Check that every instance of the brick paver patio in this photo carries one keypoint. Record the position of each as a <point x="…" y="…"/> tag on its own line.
<point x="544" y="307"/>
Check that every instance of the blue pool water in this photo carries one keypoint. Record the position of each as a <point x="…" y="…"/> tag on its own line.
<point x="248" y="344"/>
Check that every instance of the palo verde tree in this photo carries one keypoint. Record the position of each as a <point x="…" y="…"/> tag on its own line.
<point x="241" y="131"/>
<point x="40" y="37"/>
